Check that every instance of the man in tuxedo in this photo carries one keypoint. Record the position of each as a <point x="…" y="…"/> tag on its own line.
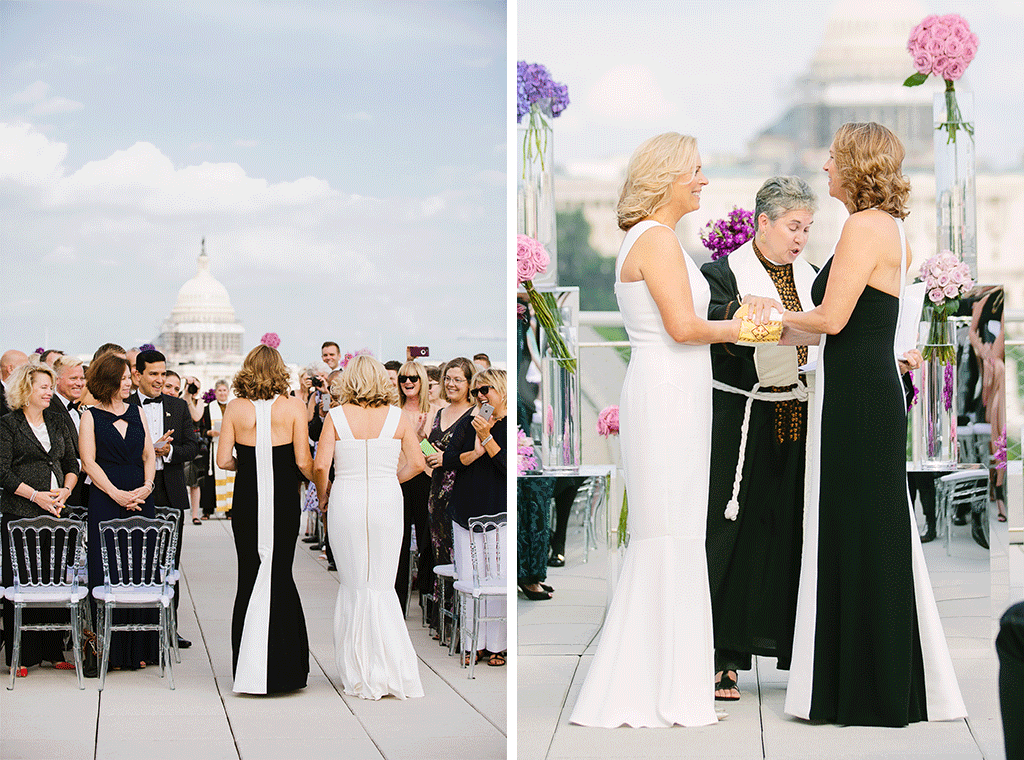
<point x="174" y="440"/>
<point x="9" y="362"/>
<point x="66" y="394"/>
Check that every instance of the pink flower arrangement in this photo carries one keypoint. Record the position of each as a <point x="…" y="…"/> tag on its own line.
<point x="608" y="421"/>
<point x="531" y="258"/>
<point x="943" y="46"/>
<point x="527" y="461"/>
<point x="270" y="339"/>
<point x="1000" y="455"/>
<point x="349" y="357"/>
<point x="946" y="278"/>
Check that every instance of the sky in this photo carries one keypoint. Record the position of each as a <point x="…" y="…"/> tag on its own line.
<point x="345" y="163"/>
<point x="724" y="70"/>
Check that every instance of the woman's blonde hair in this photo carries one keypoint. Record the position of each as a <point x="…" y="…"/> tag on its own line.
<point x="263" y="375"/>
<point x="415" y="368"/>
<point x="655" y="165"/>
<point x="492" y="377"/>
<point x="19" y="384"/>
<point x="364" y="382"/>
<point x="868" y="158"/>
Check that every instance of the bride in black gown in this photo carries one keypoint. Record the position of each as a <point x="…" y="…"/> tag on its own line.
<point x="267" y="429"/>
<point x="868" y="647"/>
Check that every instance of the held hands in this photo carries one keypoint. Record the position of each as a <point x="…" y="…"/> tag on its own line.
<point x="50" y="501"/>
<point x="130" y="500"/>
<point x="759" y="308"/>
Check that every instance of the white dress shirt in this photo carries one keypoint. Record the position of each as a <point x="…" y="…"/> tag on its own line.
<point x="155" y="417"/>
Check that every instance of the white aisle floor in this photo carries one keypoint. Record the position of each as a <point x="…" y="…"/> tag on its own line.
<point x="137" y="716"/>
<point x="557" y="640"/>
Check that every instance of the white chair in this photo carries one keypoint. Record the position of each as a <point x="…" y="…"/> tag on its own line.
<point x="46" y="553"/>
<point x="136" y="576"/>
<point x="963" y="487"/>
<point x="173" y="516"/>
<point x="444" y="572"/>
<point x="488" y="557"/>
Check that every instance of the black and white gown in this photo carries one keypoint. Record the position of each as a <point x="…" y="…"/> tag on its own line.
<point x="270" y="650"/>
<point x="868" y="647"/>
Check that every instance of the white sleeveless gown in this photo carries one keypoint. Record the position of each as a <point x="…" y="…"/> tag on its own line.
<point x="654" y="664"/>
<point x="365" y="525"/>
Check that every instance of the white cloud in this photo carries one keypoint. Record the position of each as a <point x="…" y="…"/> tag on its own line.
<point x="31" y="94"/>
<point x="247" y="143"/>
<point x="62" y="255"/>
<point x="28" y="157"/>
<point x="200" y="146"/>
<point x="38" y="93"/>
<point x="629" y="93"/>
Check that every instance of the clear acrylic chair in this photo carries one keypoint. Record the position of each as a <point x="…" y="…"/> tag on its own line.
<point x="963" y="487"/>
<point x="488" y="558"/>
<point x="136" y="569"/>
<point x="446" y="573"/>
<point x="173" y="516"/>
<point x="46" y="554"/>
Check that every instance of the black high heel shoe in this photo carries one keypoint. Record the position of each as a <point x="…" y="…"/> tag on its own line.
<point x="534" y="596"/>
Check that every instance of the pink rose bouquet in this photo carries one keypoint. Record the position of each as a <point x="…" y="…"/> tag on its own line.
<point x="531" y="260"/>
<point x="608" y="421"/>
<point x="270" y="339"/>
<point x="943" y="46"/>
<point x="349" y="356"/>
<point x="946" y="279"/>
<point x="527" y="460"/>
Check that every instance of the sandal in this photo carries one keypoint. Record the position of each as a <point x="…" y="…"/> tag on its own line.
<point x="480" y="657"/>
<point x="497" y="660"/>
<point x="546" y="587"/>
<point x="726" y="683"/>
<point x="196" y="521"/>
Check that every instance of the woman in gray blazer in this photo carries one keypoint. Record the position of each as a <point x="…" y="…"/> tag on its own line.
<point x="38" y="469"/>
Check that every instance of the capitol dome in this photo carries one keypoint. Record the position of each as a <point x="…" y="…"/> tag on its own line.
<point x="202" y="324"/>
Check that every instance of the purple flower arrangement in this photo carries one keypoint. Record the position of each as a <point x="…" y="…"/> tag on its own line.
<point x="943" y="46"/>
<point x="947" y="386"/>
<point x="147" y="347"/>
<point x="540" y="97"/>
<point x="209" y="396"/>
<point x="724" y="236"/>
<point x="349" y="357"/>
<point x="1000" y="454"/>
<point x="534" y="85"/>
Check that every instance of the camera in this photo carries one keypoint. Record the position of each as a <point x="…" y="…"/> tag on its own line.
<point x="316" y="382"/>
<point x="192" y="388"/>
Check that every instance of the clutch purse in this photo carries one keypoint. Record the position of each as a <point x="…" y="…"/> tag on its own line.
<point x="755" y="335"/>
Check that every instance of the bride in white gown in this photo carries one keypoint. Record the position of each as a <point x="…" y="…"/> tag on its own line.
<point x="364" y="436"/>
<point x="654" y="664"/>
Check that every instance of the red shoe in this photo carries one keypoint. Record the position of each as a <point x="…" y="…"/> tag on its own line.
<point x="22" y="672"/>
<point x="64" y="666"/>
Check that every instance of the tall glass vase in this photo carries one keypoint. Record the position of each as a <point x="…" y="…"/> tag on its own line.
<point x="535" y="192"/>
<point x="956" y="231"/>
<point x="561" y="436"/>
<point x="935" y="445"/>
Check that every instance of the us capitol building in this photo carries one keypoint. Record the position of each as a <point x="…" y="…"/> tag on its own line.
<point x="202" y="337"/>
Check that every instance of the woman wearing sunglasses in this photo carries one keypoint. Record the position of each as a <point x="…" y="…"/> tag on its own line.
<point x="477" y="454"/>
<point x="414" y="399"/>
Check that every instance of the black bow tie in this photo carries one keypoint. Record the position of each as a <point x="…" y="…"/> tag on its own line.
<point x="151" y="400"/>
<point x="72" y="405"/>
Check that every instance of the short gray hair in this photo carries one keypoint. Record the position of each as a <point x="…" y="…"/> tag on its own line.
<point x="779" y="195"/>
<point x="317" y="367"/>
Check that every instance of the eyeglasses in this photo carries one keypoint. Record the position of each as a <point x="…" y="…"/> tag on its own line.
<point x="482" y="390"/>
<point x="408" y="379"/>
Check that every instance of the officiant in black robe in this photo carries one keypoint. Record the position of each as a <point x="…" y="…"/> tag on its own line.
<point x="754" y="528"/>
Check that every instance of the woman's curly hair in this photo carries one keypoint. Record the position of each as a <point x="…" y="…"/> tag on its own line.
<point x="655" y="165"/>
<point x="869" y="159"/>
<point x="263" y="375"/>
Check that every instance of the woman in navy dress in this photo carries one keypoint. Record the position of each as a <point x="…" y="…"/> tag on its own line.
<point x="118" y="455"/>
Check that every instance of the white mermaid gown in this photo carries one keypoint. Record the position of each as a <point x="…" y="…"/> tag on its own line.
<point x="654" y="664"/>
<point x="365" y="523"/>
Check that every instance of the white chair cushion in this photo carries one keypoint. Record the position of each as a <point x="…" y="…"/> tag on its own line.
<point x="46" y="595"/>
<point x="464" y="587"/>
<point x="120" y="595"/>
<point x="964" y="475"/>
<point x="448" y="571"/>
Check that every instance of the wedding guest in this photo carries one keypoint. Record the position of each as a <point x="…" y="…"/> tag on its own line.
<point x="434" y="387"/>
<point x="988" y="341"/>
<point x="478" y="456"/>
<point x="195" y="471"/>
<point x="174" y="443"/>
<point x="868" y="647"/>
<point x="482" y="361"/>
<point x="754" y="555"/>
<point x="87" y="399"/>
<point x="66" y="399"/>
<point x="10" y="361"/>
<point x="330" y="354"/>
<point x="38" y="470"/>
<point x="50" y="356"/>
<point x="392" y="367"/>
<point x="414" y="401"/>
<point x="455" y="393"/>
<point x="117" y="455"/>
